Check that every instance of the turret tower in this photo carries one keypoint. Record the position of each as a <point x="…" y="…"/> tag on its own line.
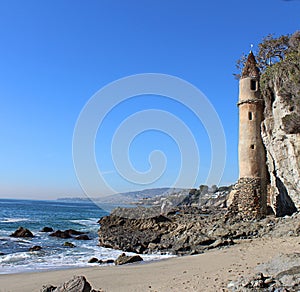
<point x="252" y="157"/>
<point x="249" y="195"/>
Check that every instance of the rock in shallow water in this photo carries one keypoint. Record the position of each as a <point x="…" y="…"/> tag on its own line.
<point x="22" y="232"/>
<point x="82" y="237"/>
<point x="35" y="248"/>
<point x="47" y="229"/>
<point x="106" y="262"/>
<point x="60" y="234"/>
<point x="67" y="234"/>
<point x="93" y="260"/>
<point x="69" y="244"/>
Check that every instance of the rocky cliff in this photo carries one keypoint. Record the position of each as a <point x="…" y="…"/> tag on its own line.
<point x="280" y="86"/>
<point x="185" y="230"/>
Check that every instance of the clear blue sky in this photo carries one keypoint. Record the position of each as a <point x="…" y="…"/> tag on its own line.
<point x="54" y="55"/>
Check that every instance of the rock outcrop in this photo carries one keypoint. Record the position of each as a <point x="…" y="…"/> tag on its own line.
<point x="184" y="230"/>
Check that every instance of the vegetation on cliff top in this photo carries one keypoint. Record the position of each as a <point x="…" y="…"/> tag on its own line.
<point x="279" y="62"/>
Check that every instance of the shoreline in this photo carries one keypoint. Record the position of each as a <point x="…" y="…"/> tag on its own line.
<point x="63" y="268"/>
<point x="210" y="271"/>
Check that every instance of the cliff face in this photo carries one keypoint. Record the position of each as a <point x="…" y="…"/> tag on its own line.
<point x="281" y="134"/>
<point x="283" y="158"/>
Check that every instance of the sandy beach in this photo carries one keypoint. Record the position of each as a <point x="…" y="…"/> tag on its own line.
<point x="211" y="271"/>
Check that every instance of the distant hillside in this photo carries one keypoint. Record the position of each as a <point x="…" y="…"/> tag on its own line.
<point x="128" y="197"/>
<point x="136" y="196"/>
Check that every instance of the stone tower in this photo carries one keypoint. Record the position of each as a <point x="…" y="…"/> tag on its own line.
<point x="252" y="157"/>
<point x="249" y="195"/>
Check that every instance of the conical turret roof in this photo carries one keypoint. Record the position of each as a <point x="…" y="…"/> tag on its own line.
<point x="250" y="69"/>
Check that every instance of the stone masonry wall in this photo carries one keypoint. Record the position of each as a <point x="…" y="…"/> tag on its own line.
<point x="248" y="199"/>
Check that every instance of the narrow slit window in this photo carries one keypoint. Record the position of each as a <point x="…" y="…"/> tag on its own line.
<point x="253" y="85"/>
<point x="250" y="117"/>
<point x="252" y="146"/>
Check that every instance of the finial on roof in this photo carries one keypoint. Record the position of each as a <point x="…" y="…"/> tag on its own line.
<point x="251" y="47"/>
<point x="250" y="68"/>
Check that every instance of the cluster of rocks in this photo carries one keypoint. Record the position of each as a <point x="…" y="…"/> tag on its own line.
<point x="70" y="233"/>
<point x="122" y="259"/>
<point x="259" y="282"/>
<point x="185" y="230"/>
<point x="76" y="284"/>
<point x="281" y="274"/>
<point x="66" y="234"/>
<point x="94" y="260"/>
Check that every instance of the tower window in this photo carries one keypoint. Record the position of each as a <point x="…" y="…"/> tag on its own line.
<point x="252" y="146"/>
<point x="253" y="85"/>
<point x="250" y="116"/>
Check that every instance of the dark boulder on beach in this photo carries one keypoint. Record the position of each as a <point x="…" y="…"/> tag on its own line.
<point x="35" y="248"/>
<point x="76" y="284"/>
<point x="47" y="229"/>
<point x="123" y="259"/>
<point x="22" y="232"/>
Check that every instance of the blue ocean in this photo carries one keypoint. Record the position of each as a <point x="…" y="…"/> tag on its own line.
<point x="15" y="256"/>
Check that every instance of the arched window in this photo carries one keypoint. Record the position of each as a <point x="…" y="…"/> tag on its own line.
<point x="250" y="116"/>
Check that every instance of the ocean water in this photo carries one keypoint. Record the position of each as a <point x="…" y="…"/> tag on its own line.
<point x="62" y="215"/>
